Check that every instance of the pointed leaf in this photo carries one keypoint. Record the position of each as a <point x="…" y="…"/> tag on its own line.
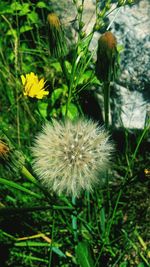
<point x="19" y="187"/>
<point x="83" y="254"/>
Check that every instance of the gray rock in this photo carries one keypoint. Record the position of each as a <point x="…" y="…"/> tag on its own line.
<point x="130" y="108"/>
<point x="132" y="102"/>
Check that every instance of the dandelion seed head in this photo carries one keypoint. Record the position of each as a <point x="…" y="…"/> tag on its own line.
<point x="69" y="156"/>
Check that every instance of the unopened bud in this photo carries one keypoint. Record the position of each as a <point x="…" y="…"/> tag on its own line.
<point x="106" y="56"/>
<point x="80" y="9"/>
<point x="82" y="34"/>
<point x="81" y="24"/>
<point x="10" y="157"/>
<point x="121" y="2"/>
<point x="57" y="41"/>
<point x="4" y="150"/>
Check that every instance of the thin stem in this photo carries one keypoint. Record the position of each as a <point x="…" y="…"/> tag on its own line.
<point x="65" y="71"/>
<point x="106" y="89"/>
<point x="67" y="78"/>
<point x="88" y="205"/>
<point x="52" y="237"/>
<point x="74" y="221"/>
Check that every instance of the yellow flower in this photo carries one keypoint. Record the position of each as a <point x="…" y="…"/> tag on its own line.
<point x="33" y="87"/>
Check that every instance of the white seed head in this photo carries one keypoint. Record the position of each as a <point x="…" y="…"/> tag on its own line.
<point x="69" y="156"/>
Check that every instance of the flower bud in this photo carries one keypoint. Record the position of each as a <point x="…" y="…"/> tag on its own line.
<point x="57" y="41"/>
<point x="4" y="150"/>
<point x="121" y="2"/>
<point x="106" y="57"/>
<point x="80" y="9"/>
<point x="10" y="157"/>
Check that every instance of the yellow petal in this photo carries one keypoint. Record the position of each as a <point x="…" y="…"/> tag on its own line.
<point x="23" y="79"/>
<point x="33" y="87"/>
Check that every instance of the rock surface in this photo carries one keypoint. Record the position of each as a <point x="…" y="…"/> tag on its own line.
<point x="132" y="28"/>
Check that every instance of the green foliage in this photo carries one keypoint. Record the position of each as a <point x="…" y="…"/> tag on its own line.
<point x="18" y="187"/>
<point x="84" y="257"/>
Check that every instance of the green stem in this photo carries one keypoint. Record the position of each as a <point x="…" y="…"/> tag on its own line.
<point x="52" y="235"/>
<point x="65" y="71"/>
<point x="67" y="78"/>
<point x="106" y="90"/>
<point x="74" y="221"/>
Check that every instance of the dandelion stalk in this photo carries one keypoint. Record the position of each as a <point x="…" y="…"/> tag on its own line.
<point x="74" y="221"/>
<point x="69" y="156"/>
<point x="106" y="91"/>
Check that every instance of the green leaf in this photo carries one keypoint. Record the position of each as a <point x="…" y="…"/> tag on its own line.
<point x="141" y="264"/>
<point x="41" y="5"/>
<point x="58" y="252"/>
<point x="56" y="66"/>
<point x="56" y="95"/>
<point x="25" y="28"/>
<point x="32" y="244"/>
<point x="102" y="218"/>
<point x="72" y="111"/>
<point x="88" y="77"/>
<point x="68" y="66"/>
<point x="5" y="8"/>
<point x="83" y="254"/>
<point x="84" y="43"/>
<point x="40" y="244"/>
<point x="120" y="48"/>
<point x="124" y="264"/>
<point x="12" y="32"/>
<point x="33" y="16"/>
<point x="18" y="187"/>
<point x="85" y="77"/>
<point x="42" y="108"/>
<point x="25" y="9"/>
<point x="96" y="81"/>
<point x="16" y="6"/>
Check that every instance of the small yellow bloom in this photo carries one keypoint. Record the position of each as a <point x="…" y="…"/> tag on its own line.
<point x="33" y="87"/>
